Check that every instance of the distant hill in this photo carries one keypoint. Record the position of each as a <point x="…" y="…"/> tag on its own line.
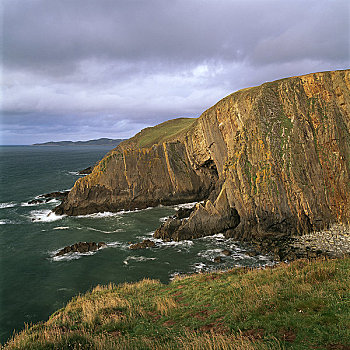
<point x="99" y="142"/>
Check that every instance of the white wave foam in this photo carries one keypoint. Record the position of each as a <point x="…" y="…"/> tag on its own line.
<point x="44" y="215"/>
<point x="51" y="201"/>
<point x="199" y="267"/>
<point x="217" y="237"/>
<point x="6" y="221"/>
<point x="185" y="205"/>
<point x="74" y="173"/>
<point x="61" y="228"/>
<point x="7" y="205"/>
<point x="210" y="253"/>
<point x="54" y="200"/>
<point x="71" y="256"/>
<point x="137" y="259"/>
<point x="118" y="244"/>
<point x="163" y="219"/>
<point x="26" y="204"/>
<point x="184" y="243"/>
<point x="99" y="215"/>
<point x="109" y="213"/>
<point x="97" y="230"/>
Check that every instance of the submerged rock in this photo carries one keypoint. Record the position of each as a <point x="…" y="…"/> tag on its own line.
<point x="81" y="247"/>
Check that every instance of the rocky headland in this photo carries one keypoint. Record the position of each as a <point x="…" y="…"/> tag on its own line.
<point x="267" y="163"/>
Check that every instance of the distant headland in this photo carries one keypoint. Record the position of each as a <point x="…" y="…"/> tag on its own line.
<point x="98" y="142"/>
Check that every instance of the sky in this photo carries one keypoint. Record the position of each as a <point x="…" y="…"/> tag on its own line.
<point x="85" y="69"/>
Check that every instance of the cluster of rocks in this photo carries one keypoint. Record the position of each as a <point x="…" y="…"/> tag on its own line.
<point x="146" y="243"/>
<point x="218" y="259"/>
<point x="44" y="198"/>
<point x="81" y="247"/>
<point x="333" y="242"/>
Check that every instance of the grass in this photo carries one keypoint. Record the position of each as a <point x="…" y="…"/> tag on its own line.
<point x="302" y="305"/>
<point x="161" y="132"/>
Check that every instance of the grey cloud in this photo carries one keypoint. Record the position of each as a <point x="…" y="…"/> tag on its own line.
<point x="88" y="67"/>
<point x="52" y="33"/>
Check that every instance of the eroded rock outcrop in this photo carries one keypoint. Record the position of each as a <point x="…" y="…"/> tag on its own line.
<point x="268" y="160"/>
<point x="204" y="220"/>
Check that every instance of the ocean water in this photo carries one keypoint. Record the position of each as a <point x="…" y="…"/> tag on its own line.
<point x="33" y="283"/>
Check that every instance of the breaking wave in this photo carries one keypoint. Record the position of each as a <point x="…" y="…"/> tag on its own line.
<point x="44" y="215"/>
<point x="7" y="205"/>
<point x="137" y="259"/>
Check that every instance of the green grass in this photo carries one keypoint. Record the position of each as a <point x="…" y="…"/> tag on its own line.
<point x="161" y="132"/>
<point x="303" y="305"/>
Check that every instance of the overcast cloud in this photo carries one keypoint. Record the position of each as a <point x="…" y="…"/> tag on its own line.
<point x="82" y="69"/>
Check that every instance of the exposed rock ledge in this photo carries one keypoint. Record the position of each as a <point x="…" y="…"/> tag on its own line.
<point x="270" y="160"/>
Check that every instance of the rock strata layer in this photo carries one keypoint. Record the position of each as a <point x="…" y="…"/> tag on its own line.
<point x="268" y="161"/>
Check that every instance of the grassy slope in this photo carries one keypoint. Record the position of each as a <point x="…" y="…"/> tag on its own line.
<point x="304" y="305"/>
<point x="160" y="133"/>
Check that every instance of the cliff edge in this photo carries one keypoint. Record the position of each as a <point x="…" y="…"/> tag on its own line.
<point x="267" y="160"/>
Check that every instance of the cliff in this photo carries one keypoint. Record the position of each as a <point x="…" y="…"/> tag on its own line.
<point x="269" y="159"/>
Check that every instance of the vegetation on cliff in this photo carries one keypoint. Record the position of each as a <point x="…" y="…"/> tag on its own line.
<point x="160" y="133"/>
<point x="303" y="305"/>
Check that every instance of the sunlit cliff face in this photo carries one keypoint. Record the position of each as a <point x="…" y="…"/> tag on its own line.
<point x="280" y="151"/>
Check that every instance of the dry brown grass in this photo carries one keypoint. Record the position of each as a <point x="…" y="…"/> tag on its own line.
<point x="165" y="304"/>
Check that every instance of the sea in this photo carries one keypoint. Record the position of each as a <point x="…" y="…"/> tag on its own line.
<point x="34" y="283"/>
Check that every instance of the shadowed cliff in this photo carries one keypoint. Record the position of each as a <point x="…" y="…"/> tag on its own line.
<point x="270" y="159"/>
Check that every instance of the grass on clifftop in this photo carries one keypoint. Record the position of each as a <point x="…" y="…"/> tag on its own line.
<point x="304" y="305"/>
<point x="161" y="132"/>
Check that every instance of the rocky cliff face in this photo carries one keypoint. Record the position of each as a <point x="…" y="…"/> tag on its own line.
<point x="269" y="159"/>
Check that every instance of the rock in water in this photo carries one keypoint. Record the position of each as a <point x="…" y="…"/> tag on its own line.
<point x="146" y="243"/>
<point x="279" y="153"/>
<point x="81" y="247"/>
